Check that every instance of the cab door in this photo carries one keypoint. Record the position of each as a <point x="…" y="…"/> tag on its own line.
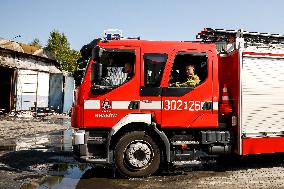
<point x="153" y="61"/>
<point x="187" y="106"/>
<point x="118" y="92"/>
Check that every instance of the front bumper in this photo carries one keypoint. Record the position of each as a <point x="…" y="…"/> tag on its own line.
<point x="92" y="146"/>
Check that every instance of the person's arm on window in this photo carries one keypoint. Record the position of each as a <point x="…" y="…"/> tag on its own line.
<point x="191" y="82"/>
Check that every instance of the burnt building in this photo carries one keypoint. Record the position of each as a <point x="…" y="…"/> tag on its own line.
<point x="32" y="78"/>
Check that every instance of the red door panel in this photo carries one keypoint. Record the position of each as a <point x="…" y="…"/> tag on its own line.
<point x="104" y="110"/>
<point x="185" y="107"/>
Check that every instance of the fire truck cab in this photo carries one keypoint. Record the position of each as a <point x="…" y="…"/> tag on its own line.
<point x="137" y="109"/>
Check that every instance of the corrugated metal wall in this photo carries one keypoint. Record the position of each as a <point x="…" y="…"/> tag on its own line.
<point x="68" y="93"/>
<point x="32" y="87"/>
<point x="56" y="92"/>
<point x="43" y="89"/>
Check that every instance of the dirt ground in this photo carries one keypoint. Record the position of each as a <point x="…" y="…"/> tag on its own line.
<point x="14" y="128"/>
<point x="22" y="160"/>
<point x="34" y="154"/>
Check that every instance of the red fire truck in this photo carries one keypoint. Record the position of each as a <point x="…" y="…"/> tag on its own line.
<point x="138" y="118"/>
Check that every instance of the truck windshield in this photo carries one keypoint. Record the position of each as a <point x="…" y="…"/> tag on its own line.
<point x="117" y="67"/>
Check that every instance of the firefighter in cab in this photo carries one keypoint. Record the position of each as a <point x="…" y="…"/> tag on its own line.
<point x="192" y="79"/>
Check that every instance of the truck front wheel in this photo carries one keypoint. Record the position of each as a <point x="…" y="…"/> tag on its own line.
<point x="137" y="155"/>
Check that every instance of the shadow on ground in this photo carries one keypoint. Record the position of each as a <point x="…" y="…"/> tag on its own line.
<point x="24" y="159"/>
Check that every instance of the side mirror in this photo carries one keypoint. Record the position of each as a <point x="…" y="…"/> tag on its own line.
<point x="96" y="54"/>
<point x="82" y="65"/>
<point x="78" y="75"/>
<point x="96" y="73"/>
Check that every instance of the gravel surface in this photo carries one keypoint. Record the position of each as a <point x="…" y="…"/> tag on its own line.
<point x="14" y="128"/>
<point x="230" y="174"/>
<point x="24" y="154"/>
<point x="36" y="148"/>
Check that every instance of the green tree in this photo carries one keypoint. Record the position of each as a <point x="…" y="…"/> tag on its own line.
<point x="35" y="42"/>
<point x="58" y="44"/>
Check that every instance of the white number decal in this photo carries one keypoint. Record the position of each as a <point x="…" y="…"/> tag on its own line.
<point x="173" y="105"/>
<point x="167" y="105"/>
<point x="180" y="105"/>
<point x="191" y="105"/>
<point x="197" y="106"/>
<point x="185" y="105"/>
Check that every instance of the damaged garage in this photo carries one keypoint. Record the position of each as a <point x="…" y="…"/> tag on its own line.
<point x="32" y="81"/>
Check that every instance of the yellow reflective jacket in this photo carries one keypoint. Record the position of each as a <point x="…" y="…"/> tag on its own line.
<point x="192" y="81"/>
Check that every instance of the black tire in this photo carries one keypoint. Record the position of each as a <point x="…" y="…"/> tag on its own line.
<point x="137" y="155"/>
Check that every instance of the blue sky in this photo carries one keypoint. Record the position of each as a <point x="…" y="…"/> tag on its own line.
<point x="82" y="21"/>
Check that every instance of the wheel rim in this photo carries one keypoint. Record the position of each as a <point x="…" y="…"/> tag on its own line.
<point x="139" y="154"/>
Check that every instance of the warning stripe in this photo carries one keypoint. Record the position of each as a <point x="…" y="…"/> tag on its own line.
<point x="116" y="105"/>
<point x="225" y="98"/>
<point x="215" y="105"/>
<point x="122" y="105"/>
<point x="150" y="105"/>
<point x="92" y="104"/>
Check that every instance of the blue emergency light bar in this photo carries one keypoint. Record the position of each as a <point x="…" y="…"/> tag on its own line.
<point x="112" y="34"/>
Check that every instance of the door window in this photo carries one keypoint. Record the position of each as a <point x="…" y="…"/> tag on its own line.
<point x="154" y="65"/>
<point x="117" y="67"/>
<point x="189" y="70"/>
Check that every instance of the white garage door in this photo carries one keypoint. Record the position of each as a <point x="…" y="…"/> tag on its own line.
<point x="32" y="87"/>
